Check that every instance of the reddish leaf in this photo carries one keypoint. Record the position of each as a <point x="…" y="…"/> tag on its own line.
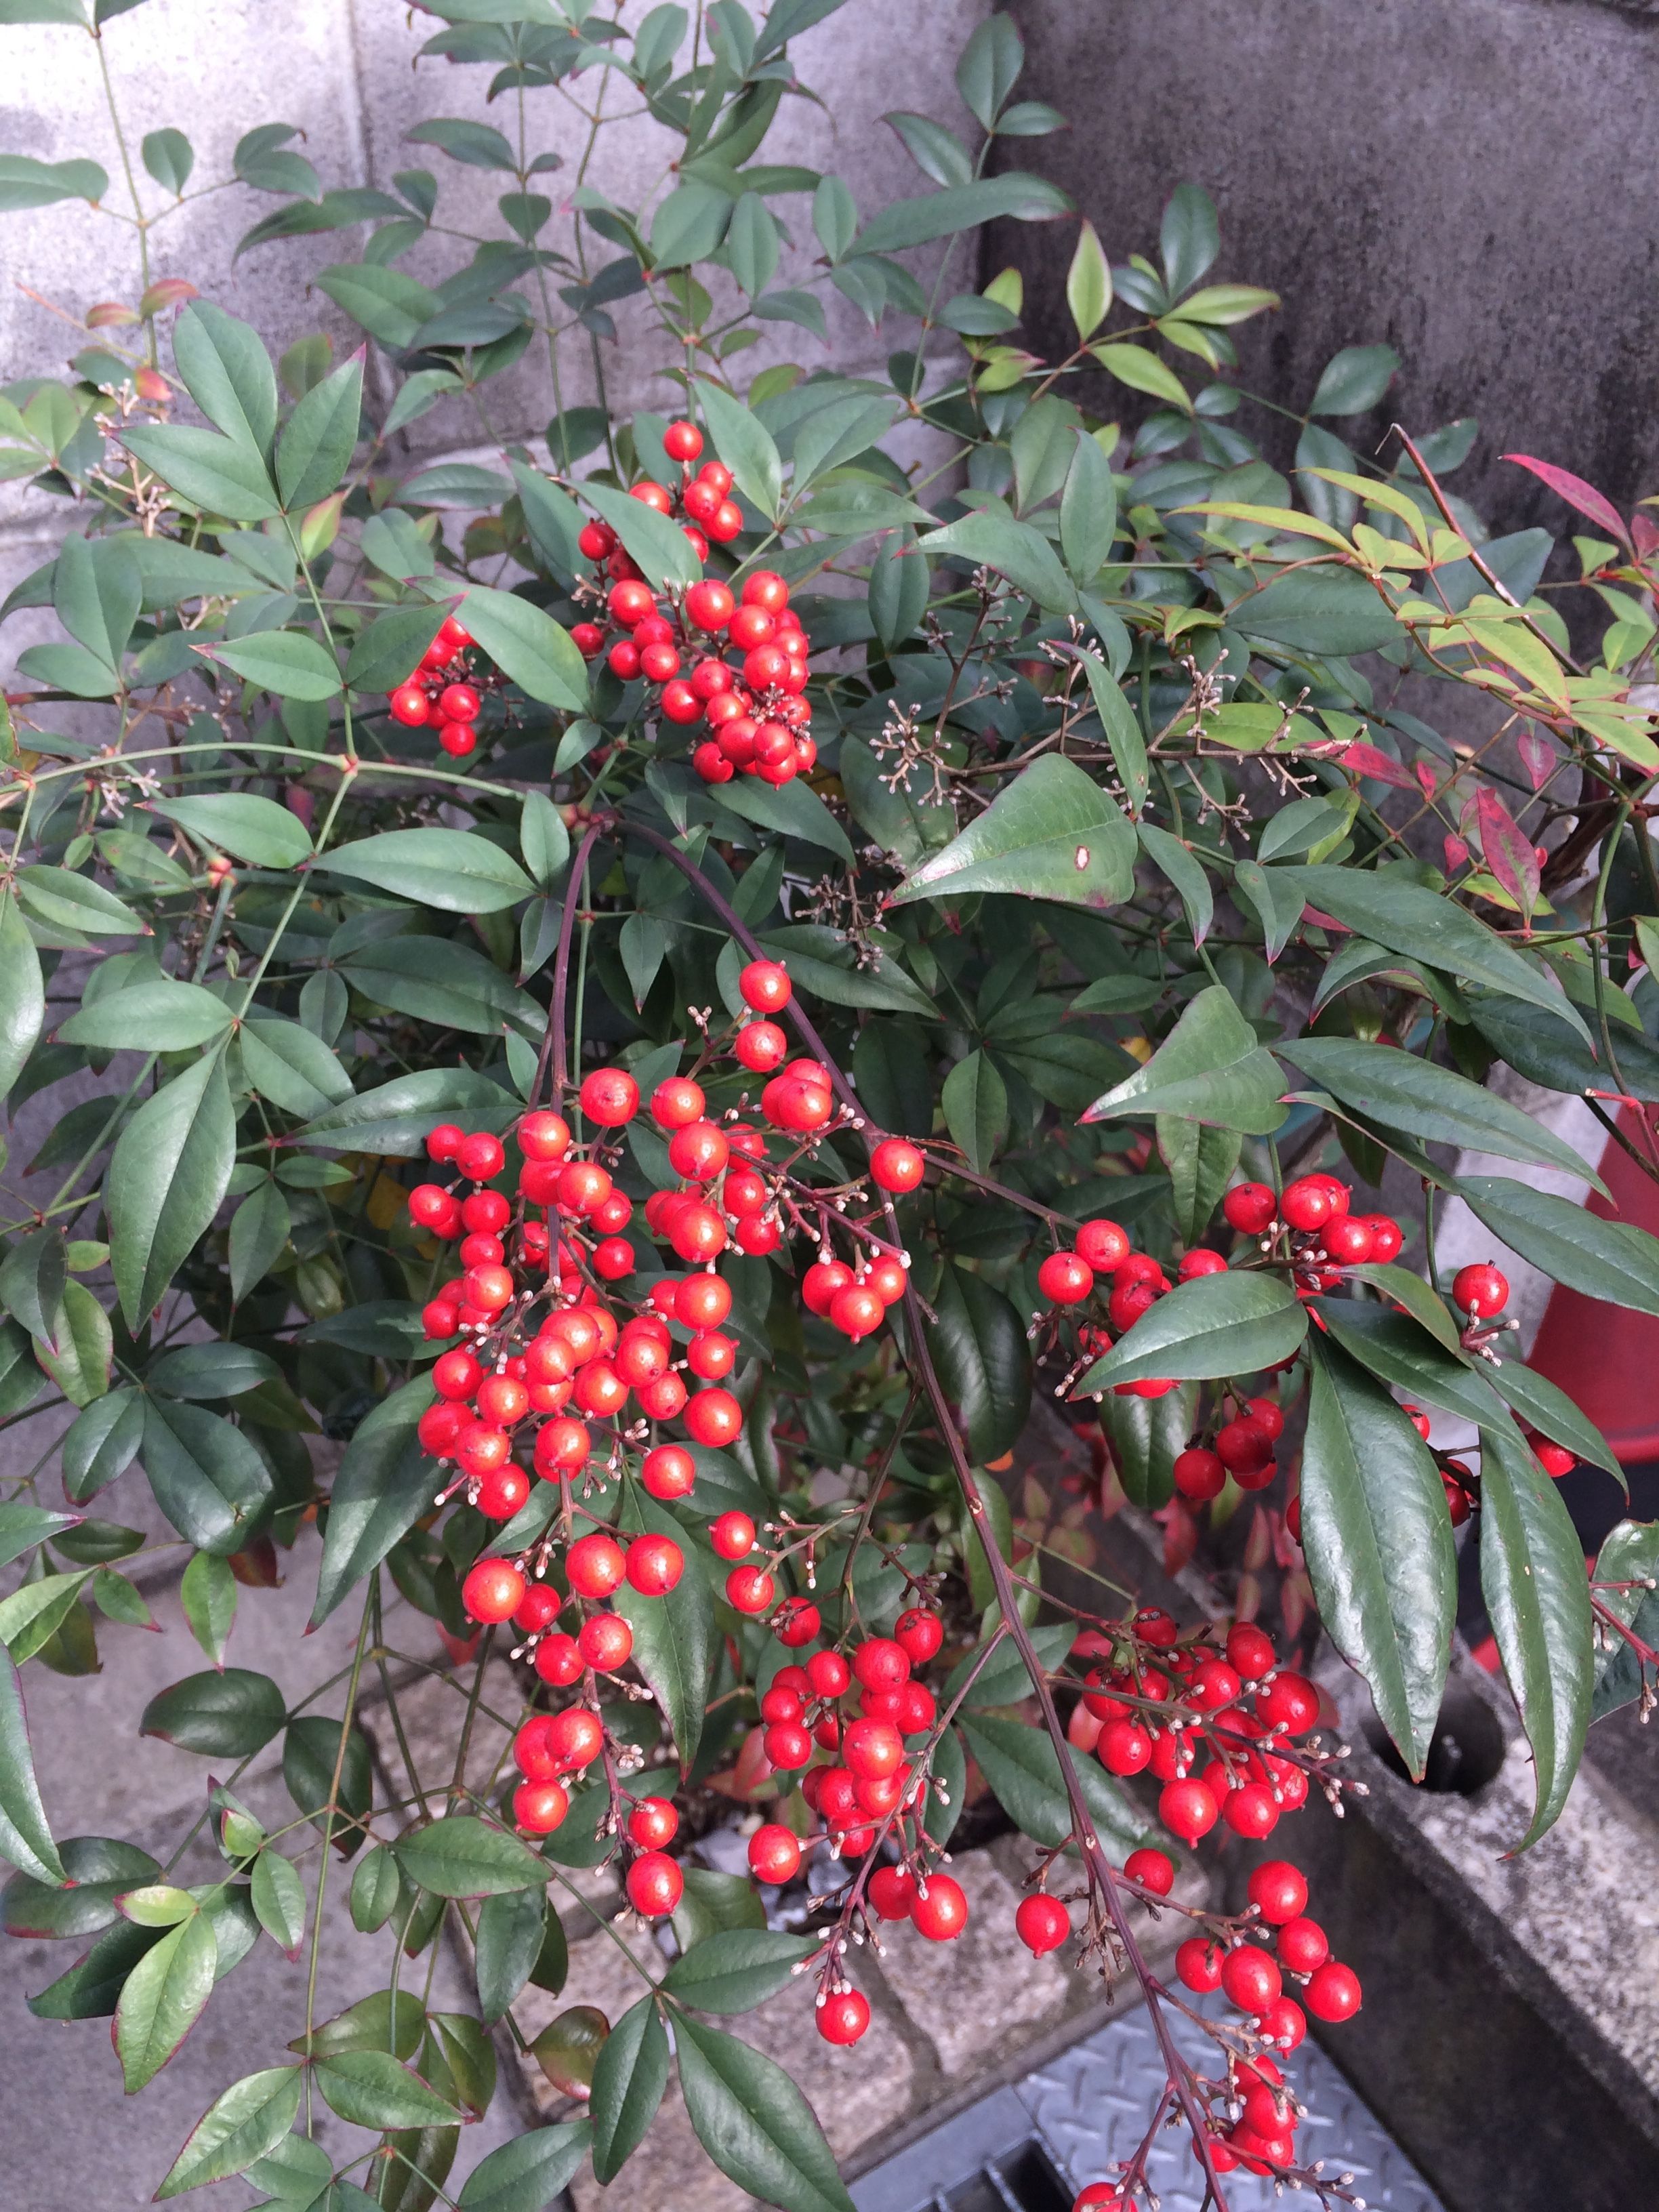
<point x="1538" y="756"/>
<point x="1508" y="851"/>
<point x="1369" y="760"/>
<point x="1646" y="533"/>
<point x="1456" y="853"/>
<point x="1576" y="493"/>
<point x="1426" y="778"/>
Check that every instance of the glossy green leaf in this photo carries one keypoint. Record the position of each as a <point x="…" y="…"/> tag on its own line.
<point x="1412" y="1293"/>
<point x="207" y="1477"/>
<point x="315" y="449"/>
<point x="1016" y="194"/>
<point x="213" y="473"/>
<point x="208" y="1594"/>
<point x="1629" y="1555"/>
<point x="388" y="651"/>
<point x="290" y="664"/>
<point x="450" y="985"/>
<point x="158" y="1016"/>
<point x="1146" y="1435"/>
<point x="21" y="1379"/>
<point x="99" y="1869"/>
<point x="1354" y="380"/>
<point x="64" y="900"/>
<point x="543" y="838"/>
<point x="511" y="1927"/>
<point x="737" y="1969"/>
<point x="227" y="1715"/>
<point x="1612" y="1260"/>
<point x="527" y="2174"/>
<point x="79" y="1363"/>
<point x="166" y="1180"/>
<point x="394" y="1117"/>
<point x="528" y="647"/>
<point x="1542" y="1404"/>
<point x="33" y="1278"/>
<point x="1377" y="1540"/>
<point x="246" y="2123"/>
<point x="979" y="1349"/>
<point x="102" y="1443"/>
<point x="754" y="2123"/>
<point x="745" y="446"/>
<point x="450" y="869"/>
<point x="1216" y="1325"/>
<point x="163" y="1998"/>
<point x="1537" y="1595"/>
<point x="655" y="543"/>
<point x="1544" y="1049"/>
<point x="1200" y="1161"/>
<point x="793" y="809"/>
<point x="23" y="1526"/>
<point x="674" y="1636"/>
<point x="33" y="1613"/>
<point x="242" y="823"/>
<point x="1400" y="1351"/>
<point x="461" y="1856"/>
<point x="376" y="1885"/>
<point x="310" y="1751"/>
<point x="22" y="994"/>
<point x="883" y="987"/>
<point x="227" y="373"/>
<point x="370" y="2089"/>
<point x="1209" y="1068"/>
<point x="279" y="1900"/>
<point x="628" y="2080"/>
<point x="25" y="1838"/>
<point x="260" y="1231"/>
<point x="1023" y="1768"/>
<point x="1117" y="718"/>
<point x="976" y="1102"/>
<point x="385" y="1482"/>
<point x="1435" y="1105"/>
<point x="1052" y="834"/>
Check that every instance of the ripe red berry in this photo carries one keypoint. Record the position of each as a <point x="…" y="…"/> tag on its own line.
<point x="1199" y="1474"/>
<point x="595" y="1564"/>
<point x="610" y="1097"/>
<point x="1064" y="1279"/>
<point x="1349" y="1240"/>
<point x="574" y="1738"/>
<point x="1251" y="1811"/>
<point x="1278" y="1891"/>
<point x="1188" y="1808"/>
<point x="668" y="1471"/>
<point x="892" y="1893"/>
<point x="651" y="1823"/>
<point x="1307" y="1203"/>
<point x="605" y="1642"/>
<point x="844" y="2017"/>
<point x="872" y="1749"/>
<point x="897" y="1164"/>
<point x="1103" y="1245"/>
<point x="1303" y="1945"/>
<point x="942" y="1913"/>
<point x="1332" y="1992"/>
<point x="1555" y="1459"/>
<point x="538" y="1808"/>
<point x="544" y="1136"/>
<point x="773" y="1854"/>
<point x="714" y="1417"/>
<point x="761" y="1046"/>
<point x="1153" y="1870"/>
<point x="494" y="1590"/>
<point x="764" y="986"/>
<point x="1386" y="1239"/>
<point x="1284" y="2024"/>
<point x="1481" y="1289"/>
<point x="1249" y="1208"/>
<point x="458" y="703"/>
<point x="1042" y="1923"/>
<point x="678" y="1103"/>
<point x="704" y="1301"/>
<point x="828" y="1675"/>
<point x="1290" y="1701"/>
<point x="750" y="1590"/>
<point x="654" y="1885"/>
<point x="1249" y="1652"/>
<point x="410" y="705"/>
<point x="1100" y="2196"/>
<point x="881" y="1663"/>
<point x="1243" y="1446"/>
<point x="1249" y="1977"/>
<point x="1124" y="1748"/>
<point x="682" y="441"/>
<point x="654" y="1565"/>
<point x="1198" y="1964"/>
<point x="480" y="1158"/>
<point x="919" y="1634"/>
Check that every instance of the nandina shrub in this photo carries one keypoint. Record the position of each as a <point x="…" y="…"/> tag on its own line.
<point x="696" y="952"/>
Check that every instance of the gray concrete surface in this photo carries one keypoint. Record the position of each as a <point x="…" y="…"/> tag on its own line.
<point x="1464" y="182"/>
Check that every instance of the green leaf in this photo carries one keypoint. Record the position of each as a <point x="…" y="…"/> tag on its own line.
<point x="452" y="986"/>
<point x="1537" y="1595"/>
<point x="169" y="157"/>
<point x="22" y="994"/>
<point x="1129" y="746"/>
<point x="248" y="2121"/>
<point x="543" y="838"/>
<point x="166" y="1180"/>
<point x="1412" y="1293"/>
<point x="287" y="1064"/>
<point x="102" y="1443"/>
<point x="227" y="373"/>
<point x="370" y="2089"/>
<point x="79" y="1364"/>
<point x="1631" y="1555"/>
<point x="99" y="1869"/>
<point x="208" y="1594"/>
<point x="158" y="1016"/>
<point x="1147" y="1435"/>
<point x="1016" y="194"/>
<point x="904" y="821"/>
<point x="1354" y="381"/>
<point x="385" y="1482"/>
<point x="978" y="1346"/>
<point x="1408" y="919"/>
<point x="745" y="446"/>
<point x="1378" y="1543"/>
<point x="64" y="900"/>
<point x="315" y="449"/>
<point x="528" y="647"/>
<point x="207" y="471"/>
<point x="737" y="1969"/>
<point x="527" y="2174"/>
<point x="793" y="809"/>
<point x="207" y="1477"/>
<point x="289" y="663"/>
<point x="460" y="1856"/>
<point x="1612" y="1260"/>
<point x="21" y="1379"/>
<point x="1023" y="1768"/>
<point x="33" y="1276"/>
<point x="242" y="822"/>
<point x="1019" y="552"/>
<point x="628" y="2080"/>
<point x="511" y="1930"/>
<point x="32" y="1615"/>
<point x="394" y="1118"/>
<point x="655" y="543"/>
<point x="675" y="1644"/>
<point x="976" y="1102"/>
<point x="754" y="2123"/>
<point x="1433" y="1105"/>
<point x="22" y="1527"/>
<point x="259" y="1231"/>
<point x="1398" y="1349"/>
<point x="310" y="1749"/>
<point x="384" y="301"/>
<point x="1003" y="1680"/>
<point x="228" y="1715"/>
<point x="1549" y="1410"/>
<point x="1052" y="834"/>
<point x="449" y="869"/>
<point x="28" y="183"/>
<point x="1216" y="1325"/>
<point x="389" y="650"/>
<point x="375" y="1889"/>
<point x="1546" y="1052"/>
<point x="885" y="987"/>
<point x="1143" y="371"/>
<point x="1200" y="1161"/>
<point x="163" y="1998"/>
<point x="279" y="1900"/>
<point x="25" y="1838"/>
<point x="1089" y="294"/>
<point x="1209" y="1068"/>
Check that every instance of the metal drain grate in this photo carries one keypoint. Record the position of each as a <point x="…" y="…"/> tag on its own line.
<point x="1028" y="2147"/>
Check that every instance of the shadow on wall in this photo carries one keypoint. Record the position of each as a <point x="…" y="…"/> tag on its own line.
<point x="1461" y="182"/>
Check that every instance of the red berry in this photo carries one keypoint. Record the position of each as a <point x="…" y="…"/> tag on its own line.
<point x="750" y="1590"/>
<point x="773" y="1854"/>
<point x="494" y="1590"/>
<point x="654" y="1884"/>
<point x="1386" y="1238"/>
<point x="764" y="986"/>
<point x="1307" y="1203"/>
<point x="828" y="1675"/>
<point x="574" y="1738"/>
<point x="1284" y="2024"/>
<point x="897" y="1164"/>
<point x="1042" y="1923"/>
<point x="761" y="1046"/>
<point x="1198" y="1964"/>
<point x="1303" y="1945"/>
<point x="682" y="441"/>
<point x="653" y="1823"/>
<point x="539" y="1807"/>
<point x="559" y="1661"/>
<point x="1188" y="1808"/>
<point x="410" y="705"/>
<point x="654" y="1565"/>
<point x="1349" y="1240"/>
<point x="1100" y="2196"/>
<point x="1290" y="1701"/>
<point x="607" y="1641"/>
<point x="787" y="1745"/>
<point x="702" y="1301"/>
<point x="1251" y="1811"/>
<point x="1278" y="1891"/>
<point x="844" y="2017"/>
<point x="1199" y="1474"/>
<point x="1249" y="1977"/>
<point x="942" y="1913"/>
<point x="480" y="1158"/>
<point x="459" y="702"/>
<point x="892" y="1892"/>
<point x="1153" y="1870"/>
<point x="1555" y="1459"/>
<point x="1249" y="1208"/>
<point x="714" y="1417"/>
<point x="678" y="1103"/>
<point x="1200" y="1260"/>
<point x="1102" y="1245"/>
<point x="1064" y="1279"/>
<point x="872" y="1749"/>
<point x="1481" y="1289"/>
<point x="881" y="1663"/>
<point x="610" y="1097"/>
<point x="1249" y="1652"/>
<point x="733" y="1535"/>
<point x="798" y="1622"/>
<point x="1332" y="1992"/>
<point x="1124" y="1748"/>
<point x="919" y="1634"/>
<point x="544" y="1136"/>
<point x="595" y="1564"/>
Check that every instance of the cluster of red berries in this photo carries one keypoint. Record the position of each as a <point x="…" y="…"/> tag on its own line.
<point x="444" y="691"/>
<point x="755" y="708"/>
